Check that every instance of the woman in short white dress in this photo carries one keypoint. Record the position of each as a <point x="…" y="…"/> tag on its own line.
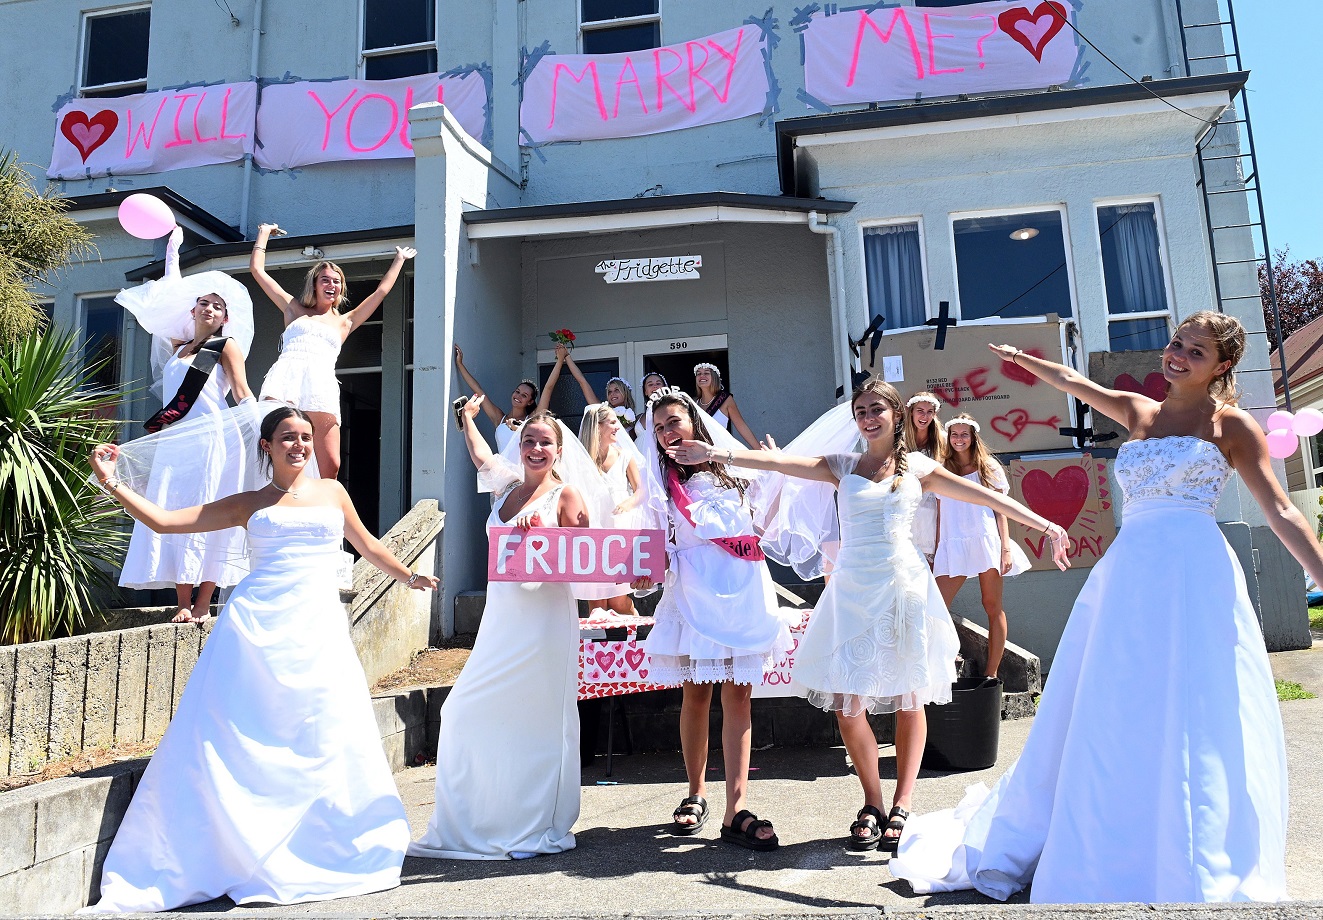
<point x="975" y="541"/>
<point x="880" y="639"/>
<point x="317" y="322"/>
<point x="924" y="434"/>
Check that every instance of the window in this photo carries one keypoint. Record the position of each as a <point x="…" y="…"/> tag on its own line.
<point x="399" y="38"/>
<point x="115" y="52"/>
<point x="102" y="322"/>
<point x="611" y="26"/>
<point x="893" y="267"/>
<point x="1012" y="265"/>
<point x="1137" y="308"/>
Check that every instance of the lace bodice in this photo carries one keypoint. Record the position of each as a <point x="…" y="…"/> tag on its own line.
<point x="306" y="336"/>
<point x="1180" y="468"/>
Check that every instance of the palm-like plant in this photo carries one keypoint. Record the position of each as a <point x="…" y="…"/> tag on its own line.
<point x="59" y="536"/>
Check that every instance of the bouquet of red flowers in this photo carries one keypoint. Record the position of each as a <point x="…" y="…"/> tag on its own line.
<point x="563" y="337"/>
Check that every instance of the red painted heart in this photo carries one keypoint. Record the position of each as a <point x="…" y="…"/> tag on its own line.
<point x="1032" y="31"/>
<point x="1058" y="498"/>
<point x="634" y="658"/>
<point x="1012" y="371"/>
<point x="1011" y="424"/>
<point x="643" y="672"/>
<point x="605" y="660"/>
<point x="1154" y="385"/>
<point x="87" y="134"/>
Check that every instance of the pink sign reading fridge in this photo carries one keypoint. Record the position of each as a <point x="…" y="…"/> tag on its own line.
<point x="575" y="97"/>
<point x="896" y="52"/>
<point x="154" y="132"/>
<point x="583" y="554"/>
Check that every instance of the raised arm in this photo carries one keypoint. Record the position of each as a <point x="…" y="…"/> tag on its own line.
<point x="257" y="266"/>
<point x="172" y="252"/>
<point x="231" y="511"/>
<point x="771" y="458"/>
<point x="948" y="485"/>
<point x="494" y="412"/>
<point x="578" y="376"/>
<point x="232" y="361"/>
<point x="479" y="451"/>
<point x="1247" y="449"/>
<point x="1126" y="408"/>
<point x="741" y="427"/>
<point x="371" y="549"/>
<point x="544" y="401"/>
<point x="363" y="312"/>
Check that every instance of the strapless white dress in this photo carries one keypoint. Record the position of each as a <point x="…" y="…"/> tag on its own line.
<point x="304" y="374"/>
<point x="1155" y="771"/>
<point x="270" y="784"/>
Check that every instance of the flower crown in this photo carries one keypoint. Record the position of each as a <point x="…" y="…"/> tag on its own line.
<point x="623" y="382"/>
<point x="925" y="398"/>
<point x="962" y="421"/>
<point x="705" y="366"/>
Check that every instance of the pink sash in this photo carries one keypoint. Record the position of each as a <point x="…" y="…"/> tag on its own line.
<point x="747" y="548"/>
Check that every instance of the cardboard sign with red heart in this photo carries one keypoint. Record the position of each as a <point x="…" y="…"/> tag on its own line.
<point x="1073" y="493"/>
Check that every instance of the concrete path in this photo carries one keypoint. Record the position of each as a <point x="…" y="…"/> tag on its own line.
<point x="625" y="863"/>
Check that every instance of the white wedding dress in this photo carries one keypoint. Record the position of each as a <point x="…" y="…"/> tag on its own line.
<point x="270" y="784"/>
<point x="304" y="374"/>
<point x="1155" y="770"/>
<point x="507" y="758"/>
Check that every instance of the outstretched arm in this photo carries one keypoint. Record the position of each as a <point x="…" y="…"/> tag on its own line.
<point x="257" y="266"/>
<point x="741" y="427"/>
<point x="577" y="374"/>
<point x="371" y="549"/>
<point x="1126" y="408"/>
<point x="479" y="451"/>
<point x="494" y="412"/>
<point x="544" y="401"/>
<point x="771" y="458"/>
<point x="948" y="485"/>
<point x="363" y="312"/>
<point x="231" y="511"/>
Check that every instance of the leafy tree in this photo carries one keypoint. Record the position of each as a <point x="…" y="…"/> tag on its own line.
<point x="1299" y="287"/>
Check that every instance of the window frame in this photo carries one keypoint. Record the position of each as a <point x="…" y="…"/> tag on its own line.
<point x="864" y="226"/>
<point x="1163" y="260"/>
<point x="84" y="46"/>
<point x="602" y="25"/>
<point x="365" y="54"/>
<point x="1061" y="209"/>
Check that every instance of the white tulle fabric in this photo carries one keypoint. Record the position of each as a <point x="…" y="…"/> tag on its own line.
<point x="270" y="784"/>
<point x="507" y="759"/>
<point x="970" y="543"/>
<point x="880" y="638"/>
<point x="304" y="374"/>
<point x="1173" y="790"/>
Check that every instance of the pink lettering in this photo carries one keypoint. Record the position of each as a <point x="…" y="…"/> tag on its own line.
<point x="404" y="124"/>
<point x="732" y="58"/>
<point x="179" y="140"/>
<point x="620" y="83"/>
<point x="932" y="54"/>
<point x="390" y="132"/>
<point x="197" y="132"/>
<point x="663" y="82"/>
<point x="326" y="134"/>
<point x="225" y="114"/>
<point x="597" y="89"/>
<point x="866" y="22"/>
<point x="143" y="133"/>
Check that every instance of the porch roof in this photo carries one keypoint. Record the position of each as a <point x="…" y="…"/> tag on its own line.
<point x="623" y="214"/>
<point x="105" y="206"/>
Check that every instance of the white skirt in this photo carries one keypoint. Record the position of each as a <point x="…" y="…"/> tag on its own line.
<point x="973" y="555"/>
<point x="305" y="382"/>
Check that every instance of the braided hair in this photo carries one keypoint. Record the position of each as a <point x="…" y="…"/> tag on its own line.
<point x="888" y="395"/>
<point x="664" y="460"/>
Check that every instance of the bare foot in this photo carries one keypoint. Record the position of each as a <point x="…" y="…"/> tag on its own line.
<point x="182" y="615"/>
<point x="200" y="614"/>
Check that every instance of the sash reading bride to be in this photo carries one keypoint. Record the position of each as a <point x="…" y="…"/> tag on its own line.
<point x="747" y="548"/>
<point x="204" y="363"/>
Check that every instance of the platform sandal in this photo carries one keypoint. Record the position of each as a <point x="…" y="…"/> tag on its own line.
<point x="895" y="822"/>
<point x="747" y="837"/>
<point x="694" y="806"/>
<point x="869" y="819"/>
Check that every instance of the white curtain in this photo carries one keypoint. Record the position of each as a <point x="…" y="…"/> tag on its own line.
<point x="1130" y="232"/>
<point x="895" y="275"/>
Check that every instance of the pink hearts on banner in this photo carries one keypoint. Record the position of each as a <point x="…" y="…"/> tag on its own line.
<point x="1032" y="31"/>
<point x="87" y="134"/>
<point x="605" y="660"/>
<point x="643" y="672"/>
<point x="634" y="657"/>
<point x="1154" y="385"/>
<point x="1058" y="498"/>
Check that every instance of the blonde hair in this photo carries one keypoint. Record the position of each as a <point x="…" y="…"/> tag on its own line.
<point x="936" y="446"/>
<point x="544" y="418"/>
<point x="590" y="432"/>
<point x="1229" y="335"/>
<point x="889" y="396"/>
<point x="309" y="296"/>
<point x="989" y="470"/>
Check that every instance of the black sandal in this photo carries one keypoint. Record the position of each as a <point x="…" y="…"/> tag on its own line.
<point x="868" y="819"/>
<point x="895" y="822"/>
<point x="694" y="806"/>
<point x="748" y="836"/>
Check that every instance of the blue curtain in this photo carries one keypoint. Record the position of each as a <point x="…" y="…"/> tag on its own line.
<point x="895" y="275"/>
<point x="1130" y="234"/>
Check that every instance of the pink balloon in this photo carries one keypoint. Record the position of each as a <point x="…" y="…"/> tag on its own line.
<point x="1308" y="422"/>
<point x="146" y="216"/>
<point x="1282" y="443"/>
<point x="1279" y="419"/>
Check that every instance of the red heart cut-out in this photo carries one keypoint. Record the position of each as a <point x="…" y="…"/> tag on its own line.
<point x="87" y="134"/>
<point x="1058" y="498"/>
<point x="605" y="660"/>
<point x="634" y="657"/>
<point x="1154" y="385"/>
<point x="1032" y="31"/>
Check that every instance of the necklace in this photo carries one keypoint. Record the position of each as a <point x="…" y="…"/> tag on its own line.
<point x="292" y="493"/>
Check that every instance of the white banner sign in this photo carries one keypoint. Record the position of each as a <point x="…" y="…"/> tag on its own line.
<point x="303" y="123"/>
<point x="154" y="132"/>
<point x="665" y="268"/>
<point x="572" y="97"/>
<point x="896" y="52"/>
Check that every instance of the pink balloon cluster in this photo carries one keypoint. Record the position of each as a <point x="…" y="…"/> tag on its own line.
<point x="146" y="216"/>
<point x="1286" y="429"/>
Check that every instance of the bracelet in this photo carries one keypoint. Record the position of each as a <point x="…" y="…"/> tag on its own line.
<point x="263" y="248"/>
<point x="110" y="485"/>
<point x="413" y="576"/>
<point x="1018" y="352"/>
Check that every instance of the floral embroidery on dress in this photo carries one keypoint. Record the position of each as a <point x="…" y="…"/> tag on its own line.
<point x="1179" y="467"/>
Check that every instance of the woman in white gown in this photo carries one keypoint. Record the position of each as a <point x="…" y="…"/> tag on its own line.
<point x="880" y="639"/>
<point x="924" y="434"/>
<point x="270" y="784"/>
<point x="507" y="759"/>
<point x="1155" y="770"/>
<point x="618" y="461"/>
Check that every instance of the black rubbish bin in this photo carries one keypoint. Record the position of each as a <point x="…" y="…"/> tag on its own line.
<point x="962" y="735"/>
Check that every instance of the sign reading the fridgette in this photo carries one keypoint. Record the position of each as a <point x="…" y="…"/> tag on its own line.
<point x="656" y="268"/>
<point x="580" y="554"/>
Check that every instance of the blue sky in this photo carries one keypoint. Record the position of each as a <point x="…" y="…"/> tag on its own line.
<point x="1279" y="45"/>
